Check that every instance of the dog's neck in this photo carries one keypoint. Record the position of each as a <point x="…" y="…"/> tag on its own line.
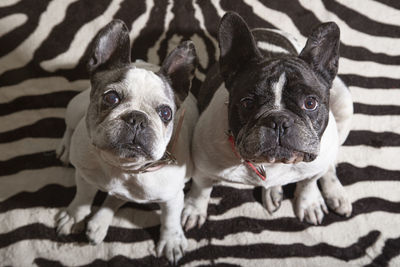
<point x="259" y="170"/>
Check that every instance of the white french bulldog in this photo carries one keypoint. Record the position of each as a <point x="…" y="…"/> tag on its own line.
<point x="278" y="115"/>
<point x="123" y="133"/>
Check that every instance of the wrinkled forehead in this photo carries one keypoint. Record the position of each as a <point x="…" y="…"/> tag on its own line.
<point x="144" y="84"/>
<point x="136" y="84"/>
<point x="288" y="73"/>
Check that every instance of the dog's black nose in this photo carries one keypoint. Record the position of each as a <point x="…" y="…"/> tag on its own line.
<point x="136" y="119"/>
<point x="279" y="122"/>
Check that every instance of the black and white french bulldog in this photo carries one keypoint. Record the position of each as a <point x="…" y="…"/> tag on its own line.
<point x="122" y="132"/>
<point x="272" y="114"/>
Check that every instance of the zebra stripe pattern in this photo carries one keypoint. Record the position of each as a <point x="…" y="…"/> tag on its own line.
<point x="42" y="66"/>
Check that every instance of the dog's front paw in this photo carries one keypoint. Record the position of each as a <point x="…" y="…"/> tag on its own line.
<point x="310" y="207"/>
<point x="272" y="198"/>
<point x="67" y="224"/>
<point x="337" y="200"/>
<point x="96" y="231"/>
<point x="193" y="214"/>
<point x="172" y="244"/>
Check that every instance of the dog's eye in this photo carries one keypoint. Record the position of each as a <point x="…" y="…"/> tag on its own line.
<point x="310" y="103"/>
<point x="111" y="98"/>
<point x="247" y="103"/>
<point x="165" y="113"/>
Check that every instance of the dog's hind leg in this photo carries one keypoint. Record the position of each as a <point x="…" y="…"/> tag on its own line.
<point x="76" y="110"/>
<point x="341" y="105"/>
<point x="62" y="151"/>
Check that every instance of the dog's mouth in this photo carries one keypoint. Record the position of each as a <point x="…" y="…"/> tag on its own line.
<point x="126" y="156"/>
<point x="294" y="158"/>
<point x="126" y="151"/>
<point x="269" y="151"/>
<point x="280" y="155"/>
<point x="132" y="151"/>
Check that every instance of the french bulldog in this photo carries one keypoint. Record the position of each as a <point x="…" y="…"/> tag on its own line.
<point x="278" y="115"/>
<point x="129" y="135"/>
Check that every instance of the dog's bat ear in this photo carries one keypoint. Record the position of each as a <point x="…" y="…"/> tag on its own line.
<point x="236" y="43"/>
<point x="178" y="67"/>
<point x="110" y="48"/>
<point x="322" y="51"/>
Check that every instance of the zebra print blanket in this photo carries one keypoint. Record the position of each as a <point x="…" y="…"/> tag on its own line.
<point x="42" y="67"/>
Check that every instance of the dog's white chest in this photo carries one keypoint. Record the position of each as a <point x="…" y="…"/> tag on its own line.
<point x="156" y="186"/>
<point x="145" y="187"/>
<point x="275" y="174"/>
<point x="116" y="187"/>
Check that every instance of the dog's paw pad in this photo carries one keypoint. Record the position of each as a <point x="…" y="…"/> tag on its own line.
<point x="193" y="216"/>
<point x="311" y="209"/>
<point x="272" y="198"/>
<point x="96" y="232"/>
<point x="172" y="245"/>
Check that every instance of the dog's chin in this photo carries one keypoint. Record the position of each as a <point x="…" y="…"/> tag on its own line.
<point x="280" y="155"/>
<point x="132" y="152"/>
<point x="127" y="156"/>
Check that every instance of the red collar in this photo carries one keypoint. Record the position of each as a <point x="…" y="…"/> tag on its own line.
<point x="259" y="171"/>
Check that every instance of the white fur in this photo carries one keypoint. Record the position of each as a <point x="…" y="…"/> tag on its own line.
<point x="78" y="105"/>
<point x="277" y="89"/>
<point x="309" y="203"/>
<point x="94" y="171"/>
<point x="272" y="198"/>
<point x="334" y="193"/>
<point x="341" y="105"/>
